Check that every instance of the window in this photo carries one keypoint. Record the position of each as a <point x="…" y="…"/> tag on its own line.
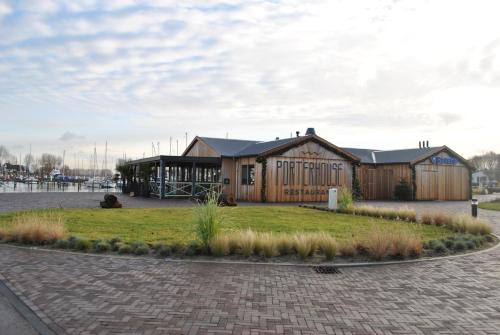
<point x="248" y="174"/>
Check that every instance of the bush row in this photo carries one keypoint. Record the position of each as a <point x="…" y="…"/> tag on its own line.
<point x="457" y="243"/>
<point x="34" y="228"/>
<point x="402" y="214"/>
<point x="379" y="245"/>
<point x="459" y="223"/>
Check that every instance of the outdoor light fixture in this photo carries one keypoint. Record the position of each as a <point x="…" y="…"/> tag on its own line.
<point x="474" y="203"/>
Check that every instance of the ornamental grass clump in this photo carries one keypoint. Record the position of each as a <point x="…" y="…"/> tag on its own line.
<point x="378" y="244"/>
<point x="36" y="228"/>
<point x="265" y="245"/>
<point x="304" y="245"/>
<point x="405" y="244"/>
<point x="344" y="199"/>
<point x="284" y="244"/>
<point x="327" y="246"/>
<point x="426" y="218"/>
<point x="208" y="219"/>
<point x="219" y="246"/>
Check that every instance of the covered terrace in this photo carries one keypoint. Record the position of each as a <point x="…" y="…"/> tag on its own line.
<point x="177" y="176"/>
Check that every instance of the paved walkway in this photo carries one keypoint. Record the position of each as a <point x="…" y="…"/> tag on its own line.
<point x="85" y="294"/>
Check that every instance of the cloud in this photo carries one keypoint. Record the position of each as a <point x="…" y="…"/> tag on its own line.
<point x="70" y="136"/>
<point x="151" y="65"/>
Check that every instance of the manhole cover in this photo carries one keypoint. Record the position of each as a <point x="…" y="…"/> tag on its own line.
<point x="326" y="269"/>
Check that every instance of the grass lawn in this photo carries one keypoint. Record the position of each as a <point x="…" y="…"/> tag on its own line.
<point x="492" y="205"/>
<point x="171" y="225"/>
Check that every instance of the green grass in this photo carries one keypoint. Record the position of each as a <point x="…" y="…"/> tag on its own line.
<point x="171" y="225"/>
<point x="492" y="205"/>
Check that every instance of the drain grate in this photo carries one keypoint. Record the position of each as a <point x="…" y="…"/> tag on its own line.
<point x="327" y="269"/>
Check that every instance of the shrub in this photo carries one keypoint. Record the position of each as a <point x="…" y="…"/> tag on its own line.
<point x="164" y="251"/>
<point x="489" y="238"/>
<point x="403" y="191"/>
<point x="219" y="246"/>
<point x="178" y="248"/>
<point x="72" y="242"/>
<point x="470" y="244"/>
<point x="114" y="243"/>
<point x="439" y="247"/>
<point x="102" y="247"/>
<point x="37" y="228"/>
<point x="193" y="248"/>
<point x="478" y="240"/>
<point x="125" y="249"/>
<point x="459" y="245"/>
<point x="137" y="244"/>
<point x="141" y="250"/>
<point x="448" y="243"/>
<point x="83" y="244"/>
<point x="61" y="244"/>
<point x="356" y="189"/>
<point x="344" y="199"/>
<point x="327" y="246"/>
<point x="208" y="219"/>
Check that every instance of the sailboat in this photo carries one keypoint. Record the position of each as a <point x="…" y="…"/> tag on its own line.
<point x="93" y="182"/>
<point x="107" y="182"/>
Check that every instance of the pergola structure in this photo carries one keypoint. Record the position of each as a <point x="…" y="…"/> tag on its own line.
<point x="177" y="176"/>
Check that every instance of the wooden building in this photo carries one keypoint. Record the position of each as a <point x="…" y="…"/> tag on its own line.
<point x="295" y="169"/>
<point x="436" y="173"/>
<point x="302" y="169"/>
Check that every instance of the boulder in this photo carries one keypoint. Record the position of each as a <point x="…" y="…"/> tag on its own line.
<point x="110" y="201"/>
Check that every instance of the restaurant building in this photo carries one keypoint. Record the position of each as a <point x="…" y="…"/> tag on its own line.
<point x="302" y="169"/>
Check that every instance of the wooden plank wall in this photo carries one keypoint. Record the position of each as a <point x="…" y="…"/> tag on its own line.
<point x="378" y="182"/>
<point x="442" y="182"/>
<point x="228" y="170"/>
<point x="248" y="192"/>
<point x="201" y="149"/>
<point x="296" y="190"/>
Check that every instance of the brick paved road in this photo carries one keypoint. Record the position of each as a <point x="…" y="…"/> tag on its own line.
<point x="80" y="294"/>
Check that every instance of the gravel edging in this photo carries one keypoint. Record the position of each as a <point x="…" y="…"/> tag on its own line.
<point x="228" y="262"/>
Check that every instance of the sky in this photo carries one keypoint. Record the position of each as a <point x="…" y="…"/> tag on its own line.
<point x="369" y="74"/>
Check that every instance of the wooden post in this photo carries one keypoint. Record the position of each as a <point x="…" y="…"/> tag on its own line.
<point x="162" y="179"/>
<point x="193" y="179"/>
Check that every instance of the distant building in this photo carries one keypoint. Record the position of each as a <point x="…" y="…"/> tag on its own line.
<point x="483" y="178"/>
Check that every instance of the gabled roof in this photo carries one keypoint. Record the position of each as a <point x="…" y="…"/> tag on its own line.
<point x="244" y="148"/>
<point x="261" y="147"/>
<point x="410" y="156"/>
<point x="223" y="146"/>
<point x="366" y="155"/>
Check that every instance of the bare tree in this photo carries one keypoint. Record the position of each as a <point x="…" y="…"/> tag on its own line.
<point x="6" y="156"/>
<point x="49" y="162"/>
<point x="486" y="161"/>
